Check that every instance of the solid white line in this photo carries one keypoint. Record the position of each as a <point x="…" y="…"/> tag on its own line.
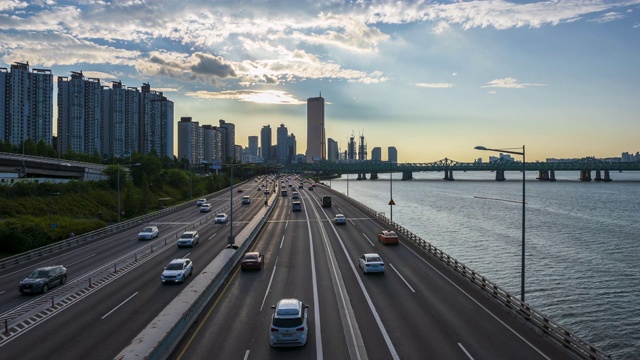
<point x="282" y="242"/>
<point x="211" y="237"/>
<point x="90" y="256"/>
<point x="405" y="281"/>
<point x="186" y="256"/>
<point x="366" y="237"/>
<point x="2" y="292"/>
<point x="316" y="300"/>
<point x="122" y="303"/>
<point x="269" y="286"/>
<point x="480" y="305"/>
<point x="465" y="351"/>
<point x="246" y="355"/>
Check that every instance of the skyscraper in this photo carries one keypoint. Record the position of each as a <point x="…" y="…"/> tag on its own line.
<point x="393" y="154"/>
<point x="228" y="141"/>
<point x="282" y="144"/>
<point x="316" y="147"/>
<point x="292" y="144"/>
<point x="332" y="150"/>
<point x="265" y="143"/>
<point x="212" y="144"/>
<point x="253" y="146"/>
<point x="376" y="154"/>
<point x="190" y="136"/>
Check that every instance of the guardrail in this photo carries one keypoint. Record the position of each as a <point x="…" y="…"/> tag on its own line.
<point x="77" y="240"/>
<point x="555" y="331"/>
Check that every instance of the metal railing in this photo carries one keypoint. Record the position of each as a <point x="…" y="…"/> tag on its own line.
<point x="555" y="331"/>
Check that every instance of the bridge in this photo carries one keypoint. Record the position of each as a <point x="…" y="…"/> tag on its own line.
<point x="546" y="170"/>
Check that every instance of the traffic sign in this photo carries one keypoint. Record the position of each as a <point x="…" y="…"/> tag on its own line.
<point x="391" y="202"/>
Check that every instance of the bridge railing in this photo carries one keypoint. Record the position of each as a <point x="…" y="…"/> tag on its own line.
<point x="532" y="316"/>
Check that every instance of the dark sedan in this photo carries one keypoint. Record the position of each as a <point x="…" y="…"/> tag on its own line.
<point x="43" y="279"/>
<point x="252" y="261"/>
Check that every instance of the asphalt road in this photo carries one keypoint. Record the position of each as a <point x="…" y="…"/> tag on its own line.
<point x="98" y="322"/>
<point x="417" y="309"/>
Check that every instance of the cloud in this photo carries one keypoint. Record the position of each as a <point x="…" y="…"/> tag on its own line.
<point x="435" y="85"/>
<point x="187" y="67"/>
<point x="608" y="17"/>
<point x="508" y="83"/>
<point x="8" y="5"/>
<point x="255" y="96"/>
<point x="98" y="74"/>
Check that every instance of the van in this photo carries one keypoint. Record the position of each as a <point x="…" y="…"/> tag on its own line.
<point x="326" y="201"/>
<point x="296" y="206"/>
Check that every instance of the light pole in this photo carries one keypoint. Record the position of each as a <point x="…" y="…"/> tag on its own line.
<point x="391" y="203"/>
<point x="523" y="206"/>
<point x="232" y="242"/>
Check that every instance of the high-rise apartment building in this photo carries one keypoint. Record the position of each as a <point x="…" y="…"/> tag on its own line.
<point x="26" y="110"/>
<point x="228" y="141"/>
<point x="316" y="147"/>
<point x="190" y="139"/>
<point x="212" y="144"/>
<point x="392" y="154"/>
<point x="156" y="122"/>
<point x="376" y="154"/>
<point x="282" y="144"/>
<point x="265" y="143"/>
<point x="332" y="150"/>
<point x="292" y="144"/>
<point x="79" y="102"/>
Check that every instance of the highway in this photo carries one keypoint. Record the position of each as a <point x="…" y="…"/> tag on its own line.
<point x="99" y="321"/>
<point x="417" y="309"/>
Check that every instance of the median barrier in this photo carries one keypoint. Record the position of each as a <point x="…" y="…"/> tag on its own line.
<point x="163" y="333"/>
<point x="524" y="311"/>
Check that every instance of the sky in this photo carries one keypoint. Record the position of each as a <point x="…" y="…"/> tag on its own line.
<point x="432" y="78"/>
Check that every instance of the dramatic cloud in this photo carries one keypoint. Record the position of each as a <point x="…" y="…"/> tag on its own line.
<point x="255" y="96"/>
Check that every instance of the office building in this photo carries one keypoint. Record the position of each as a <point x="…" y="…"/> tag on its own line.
<point x="26" y="104"/>
<point x="333" y="153"/>
<point x="376" y="154"/>
<point x="254" y="146"/>
<point x="282" y="145"/>
<point x="316" y="147"/>
<point x="392" y="154"/>
<point x="265" y="143"/>
<point x="351" y="148"/>
<point x="292" y="145"/>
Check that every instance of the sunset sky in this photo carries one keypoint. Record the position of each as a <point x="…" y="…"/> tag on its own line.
<point x="432" y="78"/>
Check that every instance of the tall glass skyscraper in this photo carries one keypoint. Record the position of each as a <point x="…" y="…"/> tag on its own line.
<point x="316" y="146"/>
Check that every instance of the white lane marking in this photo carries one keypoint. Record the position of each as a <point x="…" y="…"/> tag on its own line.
<point x="366" y="237"/>
<point x="211" y="237"/>
<point x="465" y="351"/>
<point x="246" y="355"/>
<point x="88" y="257"/>
<point x="269" y="285"/>
<point x="401" y="277"/>
<point x="351" y="221"/>
<point x="2" y="292"/>
<point x="186" y="256"/>
<point x="122" y="303"/>
<point x="282" y="242"/>
<point x="480" y="305"/>
<point x="316" y="300"/>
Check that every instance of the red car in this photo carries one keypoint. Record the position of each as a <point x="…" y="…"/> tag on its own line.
<point x="252" y="260"/>
<point x="388" y="237"/>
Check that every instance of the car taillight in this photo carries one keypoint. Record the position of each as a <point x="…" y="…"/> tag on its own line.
<point x="300" y="329"/>
<point x="274" y="329"/>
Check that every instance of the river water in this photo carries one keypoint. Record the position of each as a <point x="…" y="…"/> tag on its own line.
<point x="582" y="241"/>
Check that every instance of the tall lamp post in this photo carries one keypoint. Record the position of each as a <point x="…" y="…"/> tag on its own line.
<point x="391" y="203"/>
<point x="523" y="205"/>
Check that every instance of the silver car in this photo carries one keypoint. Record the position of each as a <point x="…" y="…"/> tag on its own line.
<point x="188" y="238"/>
<point x="289" y="323"/>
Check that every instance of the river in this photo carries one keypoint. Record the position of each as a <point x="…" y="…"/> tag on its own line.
<point x="582" y="241"/>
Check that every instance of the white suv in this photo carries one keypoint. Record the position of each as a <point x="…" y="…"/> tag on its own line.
<point x="188" y="238"/>
<point x="177" y="271"/>
<point x="289" y="323"/>
<point x="220" y="218"/>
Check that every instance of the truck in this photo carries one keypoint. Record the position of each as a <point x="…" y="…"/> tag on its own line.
<point x="326" y="201"/>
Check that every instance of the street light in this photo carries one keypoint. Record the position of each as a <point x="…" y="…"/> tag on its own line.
<point x="391" y="189"/>
<point x="523" y="205"/>
<point x="231" y="240"/>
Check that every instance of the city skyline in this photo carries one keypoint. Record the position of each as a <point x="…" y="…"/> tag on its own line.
<point x="432" y="79"/>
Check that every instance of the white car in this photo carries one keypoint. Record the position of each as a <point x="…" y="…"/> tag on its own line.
<point x="289" y="323"/>
<point x="148" y="233"/>
<point x="371" y="263"/>
<point x="177" y="271"/>
<point x="188" y="238"/>
<point x="340" y="219"/>
<point x="200" y="202"/>
<point x="246" y="200"/>
<point x="206" y="207"/>
<point x="221" y="218"/>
